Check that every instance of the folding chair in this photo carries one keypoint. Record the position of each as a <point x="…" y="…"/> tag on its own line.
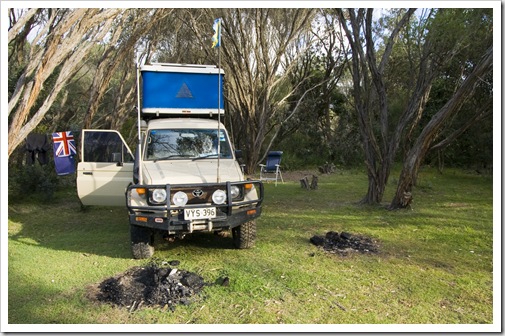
<point x="272" y="168"/>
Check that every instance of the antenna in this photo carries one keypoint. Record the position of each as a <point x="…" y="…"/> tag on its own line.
<point x="139" y="145"/>
<point x="219" y="116"/>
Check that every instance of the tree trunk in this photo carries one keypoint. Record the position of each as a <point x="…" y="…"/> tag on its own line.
<point x="66" y="45"/>
<point x="422" y="144"/>
<point x="403" y="197"/>
<point x="375" y="192"/>
<point x="370" y="96"/>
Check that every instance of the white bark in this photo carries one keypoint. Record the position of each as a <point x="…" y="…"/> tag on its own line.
<point x="19" y="25"/>
<point x="66" y="44"/>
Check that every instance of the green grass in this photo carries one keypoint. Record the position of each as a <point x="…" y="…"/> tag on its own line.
<point x="435" y="264"/>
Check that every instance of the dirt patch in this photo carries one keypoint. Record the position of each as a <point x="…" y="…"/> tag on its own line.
<point x="291" y="176"/>
<point x="345" y="243"/>
<point x="295" y="176"/>
<point x="153" y="285"/>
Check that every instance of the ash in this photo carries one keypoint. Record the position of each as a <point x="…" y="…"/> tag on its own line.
<point x="151" y="285"/>
<point x="345" y="243"/>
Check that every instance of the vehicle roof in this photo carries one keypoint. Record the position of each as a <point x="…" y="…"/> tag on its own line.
<point x="183" y="123"/>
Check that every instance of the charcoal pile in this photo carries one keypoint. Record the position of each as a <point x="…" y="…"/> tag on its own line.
<point x="151" y="285"/>
<point x="345" y="243"/>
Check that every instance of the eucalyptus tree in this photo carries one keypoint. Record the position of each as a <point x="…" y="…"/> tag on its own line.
<point x="321" y="127"/>
<point x="254" y="48"/>
<point x="57" y="47"/>
<point x="174" y="39"/>
<point x="440" y="37"/>
<point x="461" y="51"/>
<point x="367" y="68"/>
<point x="117" y="57"/>
<point x="474" y="149"/>
<point x="62" y="37"/>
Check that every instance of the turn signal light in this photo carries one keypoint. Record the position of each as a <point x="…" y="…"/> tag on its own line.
<point x="248" y="186"/>
<point x="141" y="191"/>
<point x="141" y="219"/>
<point x="251" y="212"/>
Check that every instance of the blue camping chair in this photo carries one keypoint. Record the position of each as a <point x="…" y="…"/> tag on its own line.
<point x="271" y="171"/>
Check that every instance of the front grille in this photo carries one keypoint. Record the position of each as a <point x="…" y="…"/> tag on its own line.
<point x="195" y="199"/>
<point x="196" y="195"/>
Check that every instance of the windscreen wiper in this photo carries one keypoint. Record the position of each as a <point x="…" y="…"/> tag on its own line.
<point x="205" y="156"/>
<point x="170" y="157"/>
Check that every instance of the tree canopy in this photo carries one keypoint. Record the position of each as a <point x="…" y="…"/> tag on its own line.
<point x="339" y="85"/>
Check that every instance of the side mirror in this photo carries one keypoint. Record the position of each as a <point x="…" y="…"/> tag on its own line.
<point x="238" y="154"/>
<point x="116" y="157"/>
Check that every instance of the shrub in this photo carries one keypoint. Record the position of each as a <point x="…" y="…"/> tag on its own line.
<point x="32" y="182"/>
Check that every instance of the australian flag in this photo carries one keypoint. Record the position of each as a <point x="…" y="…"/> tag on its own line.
<point x="64" y="153"/>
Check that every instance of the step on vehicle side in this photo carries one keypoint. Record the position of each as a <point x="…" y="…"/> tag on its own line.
<point x="185" y="176"/>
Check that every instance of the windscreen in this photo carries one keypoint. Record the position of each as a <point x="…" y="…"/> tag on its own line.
<point x="176" y="144"/>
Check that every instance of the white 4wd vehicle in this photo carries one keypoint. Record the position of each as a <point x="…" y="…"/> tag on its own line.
<point x="185" y="179"/>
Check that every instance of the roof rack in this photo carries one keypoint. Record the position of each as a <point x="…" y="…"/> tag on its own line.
<point x="185" y="65"/>
<point x="170" y="89"/>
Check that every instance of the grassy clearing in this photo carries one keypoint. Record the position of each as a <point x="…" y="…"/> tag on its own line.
<point x="435" y="264"/>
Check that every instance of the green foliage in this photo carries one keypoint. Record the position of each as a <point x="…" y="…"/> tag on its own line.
<point x="457" y="37"/>
<point x="435" y="264"/>
<point x="32" y="182"/>
<point x="325" y="128"/>
<point x="326" y="125"/>
<point x="474" y="148"/>
<point x="299" y="153"/>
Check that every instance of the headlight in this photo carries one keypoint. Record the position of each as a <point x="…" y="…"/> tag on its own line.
<point x="234" y="192"/>
<point x="219" y="197"/>
<point x="159" y="195"/>
<point x="180" y="198"/>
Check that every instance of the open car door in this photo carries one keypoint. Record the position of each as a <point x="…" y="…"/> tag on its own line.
<point x="105" y="170"/>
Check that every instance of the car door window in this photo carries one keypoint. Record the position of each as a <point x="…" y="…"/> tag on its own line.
<point x="102" y="146"/>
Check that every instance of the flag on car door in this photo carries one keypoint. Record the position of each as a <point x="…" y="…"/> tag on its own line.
<point x="64" y="153"/>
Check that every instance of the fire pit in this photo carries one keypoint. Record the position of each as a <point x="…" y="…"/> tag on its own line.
<point x="345" y="243"/>
<point x="152" y="285"/>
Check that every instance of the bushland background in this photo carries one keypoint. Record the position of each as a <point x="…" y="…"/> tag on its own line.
<point x="369" y="88"/>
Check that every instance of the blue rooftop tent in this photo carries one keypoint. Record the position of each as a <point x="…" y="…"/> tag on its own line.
<point x="271" y="171"/>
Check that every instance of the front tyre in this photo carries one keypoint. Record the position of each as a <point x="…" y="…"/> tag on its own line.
<point x="142" y="242"/>
<point x="244" y="236"/>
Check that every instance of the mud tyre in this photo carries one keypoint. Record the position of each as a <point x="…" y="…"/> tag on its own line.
<point x="244" y="236"/>
<point x="142" y="242"/>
